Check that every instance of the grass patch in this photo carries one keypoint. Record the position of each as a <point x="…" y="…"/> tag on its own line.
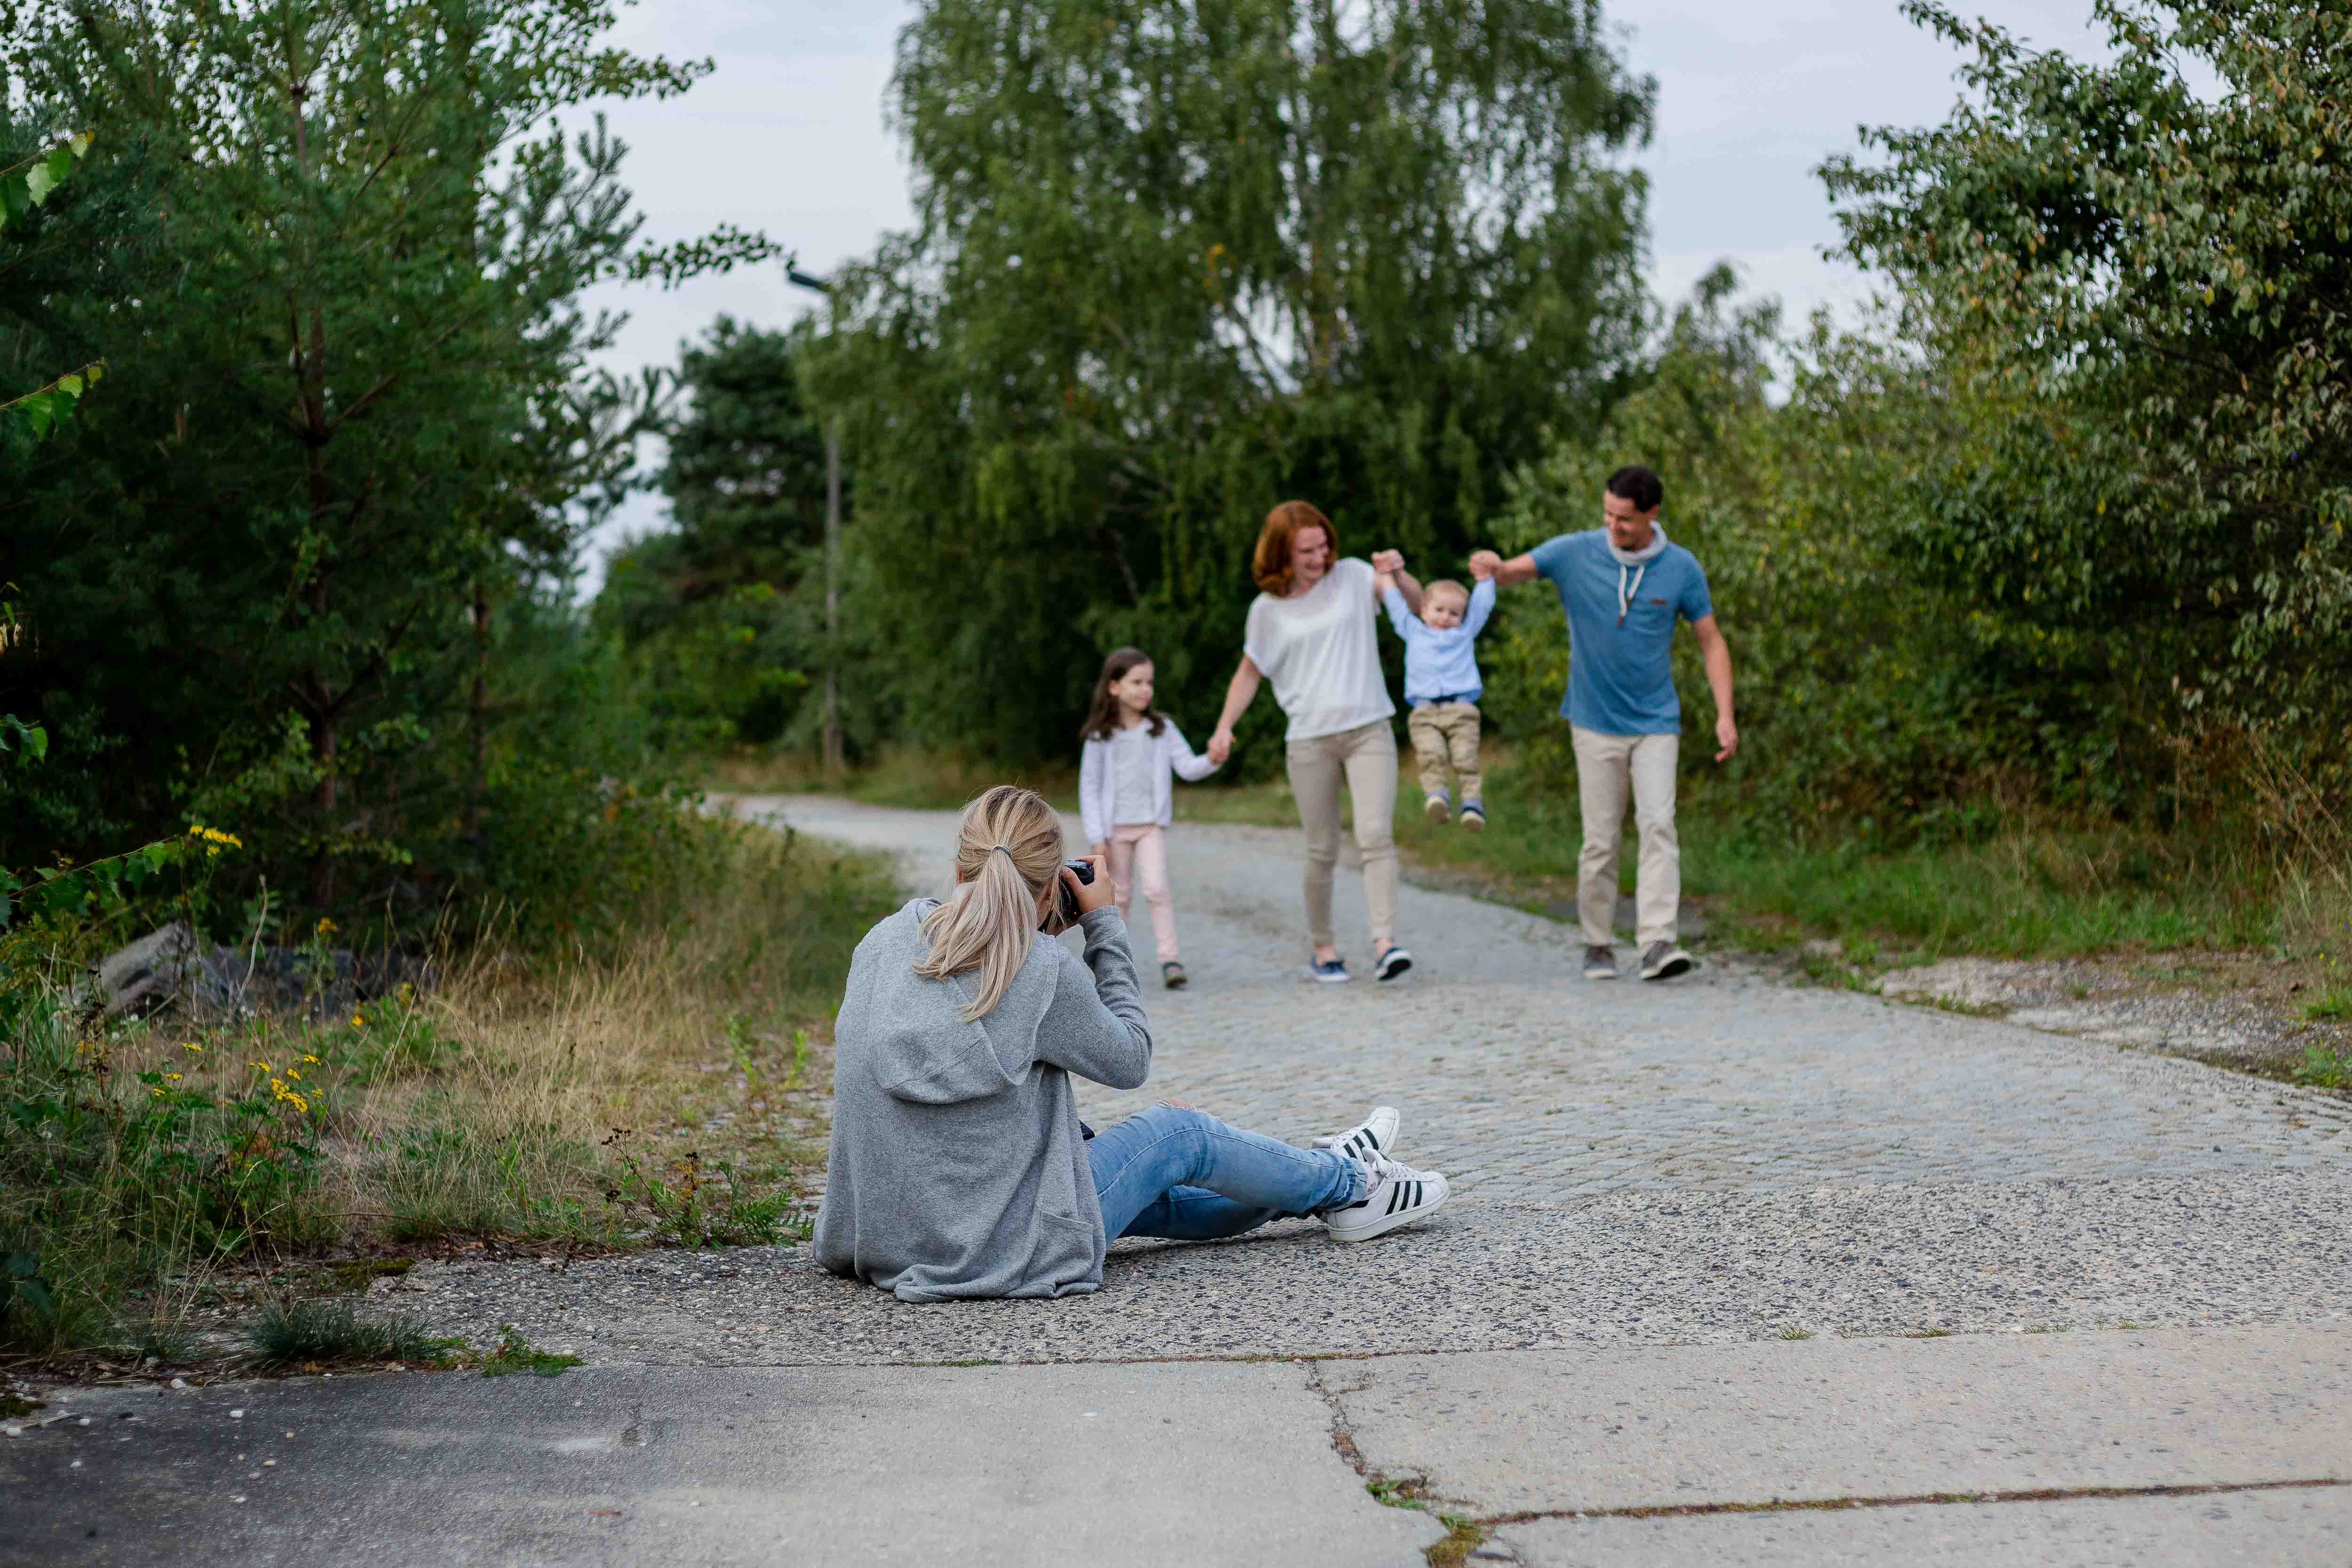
<point x="658" y="1083"/>
<point x="515" y="1354"/>
<point x="2323" y="1069"/>
<point x="336" y="1332"/>
<point x="2331" y="1007"/>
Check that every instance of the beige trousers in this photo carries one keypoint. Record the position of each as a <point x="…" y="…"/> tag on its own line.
<point x="1446" y="732"/>
<point x="1605" y="766"/>
<point x="1139" y="858"/>
<point x="1365" y="760"/>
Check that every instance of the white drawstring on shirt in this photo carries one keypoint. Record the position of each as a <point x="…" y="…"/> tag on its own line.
<point x="1637" y="562"/>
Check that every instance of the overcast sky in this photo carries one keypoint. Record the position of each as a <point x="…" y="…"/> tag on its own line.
<point x="786" y="135"/>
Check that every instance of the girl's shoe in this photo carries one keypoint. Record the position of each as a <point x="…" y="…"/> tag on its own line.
<point x="1172" y="975"/>
<point x="1330" y="971"/>
<point x="1400" y="1195"/>
<point x="1473" y="815"/>
<point x="1373" y="1138"/>
<point x="1392" y="963"/>
<point x="1438" y="809"/>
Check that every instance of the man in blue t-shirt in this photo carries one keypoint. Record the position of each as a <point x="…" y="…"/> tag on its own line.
<point x="1621" y="587"/>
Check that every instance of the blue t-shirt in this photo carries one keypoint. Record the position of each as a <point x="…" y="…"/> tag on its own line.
<point x="1618" y="680"/>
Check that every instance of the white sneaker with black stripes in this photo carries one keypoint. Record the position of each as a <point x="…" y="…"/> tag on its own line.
<point x="1400" y="1195"/>
<point x="1375" y="1135"/>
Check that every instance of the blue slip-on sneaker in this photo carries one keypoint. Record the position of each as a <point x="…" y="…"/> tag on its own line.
<point x="1334" y="972"/>
<point x="1392" y="963"/>
<point x="1473" y="815"/>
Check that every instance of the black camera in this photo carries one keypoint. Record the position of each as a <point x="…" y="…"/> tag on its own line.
<point x="1066" y="904"/>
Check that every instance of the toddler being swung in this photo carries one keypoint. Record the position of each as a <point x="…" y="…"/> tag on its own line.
<point x="1442" y="687"/>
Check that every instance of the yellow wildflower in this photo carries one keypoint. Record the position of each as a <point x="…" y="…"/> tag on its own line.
<point x="172" y="1077"/>
<point x="191" y="1046"/>
<point x="359" y="1020"/>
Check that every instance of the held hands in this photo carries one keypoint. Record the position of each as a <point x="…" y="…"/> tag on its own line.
<point x="1726" y="735"/>
<point x="1388" y="562"/>
<point x="1484" y="563"/>
<point x="1220" y="746"/>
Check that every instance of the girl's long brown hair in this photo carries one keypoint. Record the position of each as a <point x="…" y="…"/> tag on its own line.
<point x="1102" y="719"/>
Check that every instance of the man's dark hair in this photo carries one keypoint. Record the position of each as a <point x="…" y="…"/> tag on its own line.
<point x="1639" y="485"/>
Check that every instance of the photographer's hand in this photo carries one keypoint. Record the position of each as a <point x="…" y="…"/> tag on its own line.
<point x="1098" y="894"/>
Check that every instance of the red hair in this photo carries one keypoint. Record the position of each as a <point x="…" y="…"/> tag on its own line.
<point x="1270" y="562"/>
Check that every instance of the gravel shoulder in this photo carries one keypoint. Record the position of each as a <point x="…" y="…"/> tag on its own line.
<point x="1730" y="1158"/>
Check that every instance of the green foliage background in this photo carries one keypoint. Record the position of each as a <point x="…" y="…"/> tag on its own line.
<point x="300" y="565"/>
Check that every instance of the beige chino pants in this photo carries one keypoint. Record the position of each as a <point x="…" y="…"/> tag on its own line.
<point x="1444" y="733"/>
<point x="1605" y="766"/>
<point x="1365" y="760"/>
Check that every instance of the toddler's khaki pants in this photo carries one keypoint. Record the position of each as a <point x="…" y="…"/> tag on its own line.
<point x="1446" y="732"/>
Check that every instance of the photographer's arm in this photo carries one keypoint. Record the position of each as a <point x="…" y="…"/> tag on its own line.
<point x="1239" y="692"/>
<point x="1095" y="1025"/>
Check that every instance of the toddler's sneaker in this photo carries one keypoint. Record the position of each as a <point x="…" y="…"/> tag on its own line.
<point x="1438" y="809"/>
<point x="1172" y="975"/>
<point x="1330" y="971"/>
<point x="1400" y="1195"/>
<point x="1473" y="816"/>
<point x="1374" y="1137"/>
<point x="1599" y="963"/>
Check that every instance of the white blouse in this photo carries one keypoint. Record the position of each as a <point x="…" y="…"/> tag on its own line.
<point x="1321" y="652"/>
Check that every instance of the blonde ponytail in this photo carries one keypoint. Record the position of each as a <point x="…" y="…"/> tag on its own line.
<point x="1008" y="848"/>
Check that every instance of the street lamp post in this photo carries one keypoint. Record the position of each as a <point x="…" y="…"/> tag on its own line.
<point x="832" y="758"/>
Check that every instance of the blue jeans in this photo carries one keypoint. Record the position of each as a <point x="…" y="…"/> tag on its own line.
<point x="1187" y="1176"/>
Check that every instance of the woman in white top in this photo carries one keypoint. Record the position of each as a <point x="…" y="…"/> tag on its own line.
<point x="1131" y="748"/>
<point x="1311" y="632"/>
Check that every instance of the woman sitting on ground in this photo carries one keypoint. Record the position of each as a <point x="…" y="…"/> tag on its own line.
<point x="959" y="1167"/>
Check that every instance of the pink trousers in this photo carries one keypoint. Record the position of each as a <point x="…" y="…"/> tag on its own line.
<point x="1138" y="857"/>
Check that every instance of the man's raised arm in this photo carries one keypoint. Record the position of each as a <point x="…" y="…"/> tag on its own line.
<point x="1518" y="569"/>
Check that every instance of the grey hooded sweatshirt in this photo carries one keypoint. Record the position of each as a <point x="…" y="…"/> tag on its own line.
<point x="958" y="1168"/>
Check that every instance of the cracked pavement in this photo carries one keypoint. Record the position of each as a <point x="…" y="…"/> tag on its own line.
<point x="1736" y="1271"/>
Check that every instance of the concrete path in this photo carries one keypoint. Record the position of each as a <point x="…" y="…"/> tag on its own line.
<point x="1737" y="1273"/>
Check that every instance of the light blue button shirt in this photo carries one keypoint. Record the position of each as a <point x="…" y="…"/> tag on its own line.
<point x="1441" y="663"/>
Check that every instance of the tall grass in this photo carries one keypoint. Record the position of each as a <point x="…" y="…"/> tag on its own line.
<point x="899" y="775"/>
<point x="140" y="1162"/>
<point x="2026" y="884"/>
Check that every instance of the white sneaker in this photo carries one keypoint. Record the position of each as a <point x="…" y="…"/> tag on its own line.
<point x="1400" y="1195"/>
<point x="1373" y="1138"/>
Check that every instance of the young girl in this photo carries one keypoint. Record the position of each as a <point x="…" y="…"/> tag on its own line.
<point x="958" y="1166"/>
<point x="1130" y="749"/>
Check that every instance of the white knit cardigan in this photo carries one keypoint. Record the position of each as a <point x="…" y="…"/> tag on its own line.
<point x="1171" y="753"/>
